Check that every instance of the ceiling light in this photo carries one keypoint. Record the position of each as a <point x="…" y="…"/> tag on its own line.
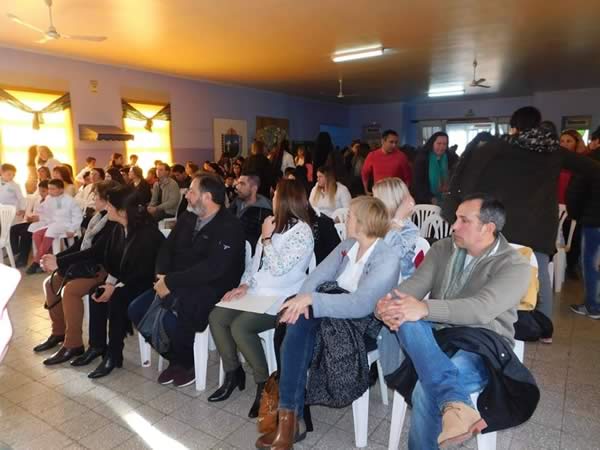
<point x="445" y="91"/>
<point x="357" y="53"/>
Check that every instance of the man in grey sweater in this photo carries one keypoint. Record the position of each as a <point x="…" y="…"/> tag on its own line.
<point x="165" y="194"/>
<point x="474" y="279"/>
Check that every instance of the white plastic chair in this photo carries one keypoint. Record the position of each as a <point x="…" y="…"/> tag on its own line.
<point x="421" y="245"/>
<point x="10" y="280"/>
<point x="248" y="254"/>
<point x="560" y="257"/>
<point x="7" y="216"/>
<point x="436" y="226"/>
<point x="341" y="230"/>
<point x="422" y="212"/>
<point x="57" y="243"/>
<point x="340" y="215"/>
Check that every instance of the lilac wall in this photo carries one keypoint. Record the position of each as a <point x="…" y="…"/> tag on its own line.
<point x="194" y="104"/>
<point x="388" y="115"/>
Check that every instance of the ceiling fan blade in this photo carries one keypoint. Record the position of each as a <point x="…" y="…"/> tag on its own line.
<point x="25" y="24"/>
<point x="43" y="40"/>
<point x="483" y="86"/>
<point x="481" y="80"/>
<point x="84" y="38"/>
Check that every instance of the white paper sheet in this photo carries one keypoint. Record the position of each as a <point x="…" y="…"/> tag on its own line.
<point x="252" y="303"/>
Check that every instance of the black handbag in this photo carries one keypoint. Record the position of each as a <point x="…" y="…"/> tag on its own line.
<point x="151" y="326"/>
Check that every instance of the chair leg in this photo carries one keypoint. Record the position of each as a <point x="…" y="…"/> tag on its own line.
<point x="211" y="343"/>
<point x="145" y="351"/>
<point x="161" y="363"/>
<point x="201" y="358"/>
<point x="398" y="413"/>
<point x="486" y="441"/>
<point x="86" y="310"/>
<point x="360" y="413"/>
<point x="56" y="246"/>
<point x="11" y="256"/>
<point x="382" y="386"/>
<point x="221" y="373"/>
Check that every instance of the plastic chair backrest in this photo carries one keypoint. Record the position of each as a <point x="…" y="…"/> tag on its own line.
<point x="248" y="255"/>
<point x="435" y="225"/>
<point x="562" y="216"/>
<point x="532" y="260"/>
<point x="7" y="216"/>
<point x="341" y="230"/>
<point x="341" y="214"/>
<point x="422" y="212"/>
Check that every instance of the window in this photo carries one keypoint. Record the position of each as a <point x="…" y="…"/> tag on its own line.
<point x="17" y="133"/>
<point x="149" y="145"/>
<point x="580" y="123"/>
<point x="460" y="134"/>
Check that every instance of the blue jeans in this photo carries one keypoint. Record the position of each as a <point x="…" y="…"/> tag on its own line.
<point x="441" y="380"/>
<point x="546" y="296"/>
<point x="296" y="354"/>
<point x="590" y="259"/>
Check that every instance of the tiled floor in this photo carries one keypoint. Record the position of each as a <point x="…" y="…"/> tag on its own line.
<point x="60" y="407"/>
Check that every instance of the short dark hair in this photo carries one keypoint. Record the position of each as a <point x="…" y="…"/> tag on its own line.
<point x="90" y="159"/>
<point x="491" y="211"/>
<point x="100" y="172"/>
<point x="387" y="133"/>
<point x="43" y="184"/>
<point x="253" y="178"/>
<point x="9" y="167"/>
<point x="86" y="174"/>
<point x="133" y="156"/>
<point x="213" y="185"/>
<point x="526" y="118"/>
<point x="57" y="183"/>
<point x="165" y="166"/>
<point x="125" y="198"/>
<point x="102" y="188"/>
<point x="178" y="168"/>
<point x="137" y="171"/>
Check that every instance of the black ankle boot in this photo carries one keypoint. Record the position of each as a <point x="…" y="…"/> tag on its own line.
<point x="234" y="379"/>
<point x="253" y="413"/>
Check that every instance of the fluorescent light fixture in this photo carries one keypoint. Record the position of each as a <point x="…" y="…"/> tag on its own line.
<point x="445" y="91"/>
<point x="357" y="53"/>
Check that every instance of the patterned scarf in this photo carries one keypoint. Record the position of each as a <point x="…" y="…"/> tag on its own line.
<point x="457" y="274"/>
<point x="535" y="140"/>
<point x="96" y="224"/>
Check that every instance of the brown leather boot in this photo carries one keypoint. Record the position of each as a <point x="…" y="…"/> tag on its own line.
<point x="287" y="427"/>
<point x="266" y="440"/>
<point x="459" y="423"/>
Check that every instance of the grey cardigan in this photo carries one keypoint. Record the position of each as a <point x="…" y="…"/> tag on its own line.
<point x="169" y="201"/>
<point x="380" y="275"/>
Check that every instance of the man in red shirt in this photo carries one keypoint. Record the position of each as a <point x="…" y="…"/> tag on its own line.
<point x="387" y="161"/>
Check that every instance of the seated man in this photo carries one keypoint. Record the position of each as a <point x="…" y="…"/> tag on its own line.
<point x="251" y="207"/>
<point x="475" y="280"/>
<point x="165" y="194"/>
<point x="179" y="175"/>
<point x="202" y="259"/>
<point x="59" y="216"/>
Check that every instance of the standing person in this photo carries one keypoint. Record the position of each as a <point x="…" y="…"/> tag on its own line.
<point x="201" y="260"/>
<point x="128" y="258"/>
<point x="90" y="164"/>
<point x="522" y="170"/>
<point x="43" y="174"/>
<point x="433" y="167"/>
<point x="583" y="205"/>
<point x="136" y="177"/>
<point x="59" y="215"/>
<point x="386" y="161"/>
<point x="323" y="148"/>
<point x="329" y="194"/>
<point x="250" y="207"/>
<point x="46" y="158"/>
<point x="133" y="160"/>
<point x="282" y="158"/>
<point x="32" y="176"/>
<point x="354" y="160"/>
<point x="278" y="268"/>
<point x="116" y="161"/>
<point x="62" y="173"/>
<point x="165" y="194"/>
<point x="258" y="163"/>
<point x="303" y="159"/>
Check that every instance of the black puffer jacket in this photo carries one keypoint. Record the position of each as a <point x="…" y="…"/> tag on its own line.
<point x="522" y="172"/>
<point x="583" y="198"/>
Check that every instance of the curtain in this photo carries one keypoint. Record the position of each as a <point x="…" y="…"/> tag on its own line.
<point x="130" y="112"/>
<point x="60" y="104"/>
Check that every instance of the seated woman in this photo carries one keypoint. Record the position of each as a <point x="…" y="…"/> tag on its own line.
<point x="403" y="233"/>
<point x="143" y="189"/>
<point x="66" y="307"/>
<point x="366" y="268"/>
<point x="278" y="269"/>
<point x="63" y="173"/>
<point x="328" y="194"/>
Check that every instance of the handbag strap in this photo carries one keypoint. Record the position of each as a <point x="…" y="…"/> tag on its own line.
<point x="58" y="292"/>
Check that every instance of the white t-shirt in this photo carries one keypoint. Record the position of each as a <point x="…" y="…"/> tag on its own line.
<point x="342" y="200"/>
<point x="349" y="278"/>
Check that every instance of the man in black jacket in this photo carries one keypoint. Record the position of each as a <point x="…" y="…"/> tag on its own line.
<point x="251" y="207"/>
<point x="202" y="259"/>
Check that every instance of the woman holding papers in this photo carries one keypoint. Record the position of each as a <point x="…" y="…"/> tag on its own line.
<point x="346" y="285"/>
<point x="277" y="270"/>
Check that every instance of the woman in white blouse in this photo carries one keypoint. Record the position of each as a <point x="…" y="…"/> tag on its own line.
<point x="278" y="269"/>
<point x="328" y="194"/>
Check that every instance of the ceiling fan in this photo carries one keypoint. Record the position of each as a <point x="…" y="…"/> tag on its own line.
<point x="51" y="34"/>
<point x="477" y="82"/>
<point x="341" y="91"/>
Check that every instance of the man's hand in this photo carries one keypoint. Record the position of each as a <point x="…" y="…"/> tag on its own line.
<point x="48" y="263"/>
<point x="235" y="293"/>
<point x="394" y="311"/>
<point x="292" y="309"/>
<point x="151" y="209"/>
<point x="161" y="287"/>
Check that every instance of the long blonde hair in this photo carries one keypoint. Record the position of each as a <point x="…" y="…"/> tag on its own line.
<point x="330" y="186"/>
<point x="392" y="192"/>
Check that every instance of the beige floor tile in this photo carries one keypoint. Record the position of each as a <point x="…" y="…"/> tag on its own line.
<point x="83" y="425"/>
<point x="108" y="437"/>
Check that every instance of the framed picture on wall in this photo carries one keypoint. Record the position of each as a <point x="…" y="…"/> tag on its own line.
<point x="230" y="138"/>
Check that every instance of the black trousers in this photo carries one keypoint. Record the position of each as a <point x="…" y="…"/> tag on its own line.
<point x="115" y="313"/>
<point x="20" y="241"/>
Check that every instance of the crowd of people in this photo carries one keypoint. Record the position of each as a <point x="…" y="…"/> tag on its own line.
<point x="446" y="331"/>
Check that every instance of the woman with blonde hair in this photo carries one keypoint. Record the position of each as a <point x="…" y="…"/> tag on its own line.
<point x="328" y="194"/>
